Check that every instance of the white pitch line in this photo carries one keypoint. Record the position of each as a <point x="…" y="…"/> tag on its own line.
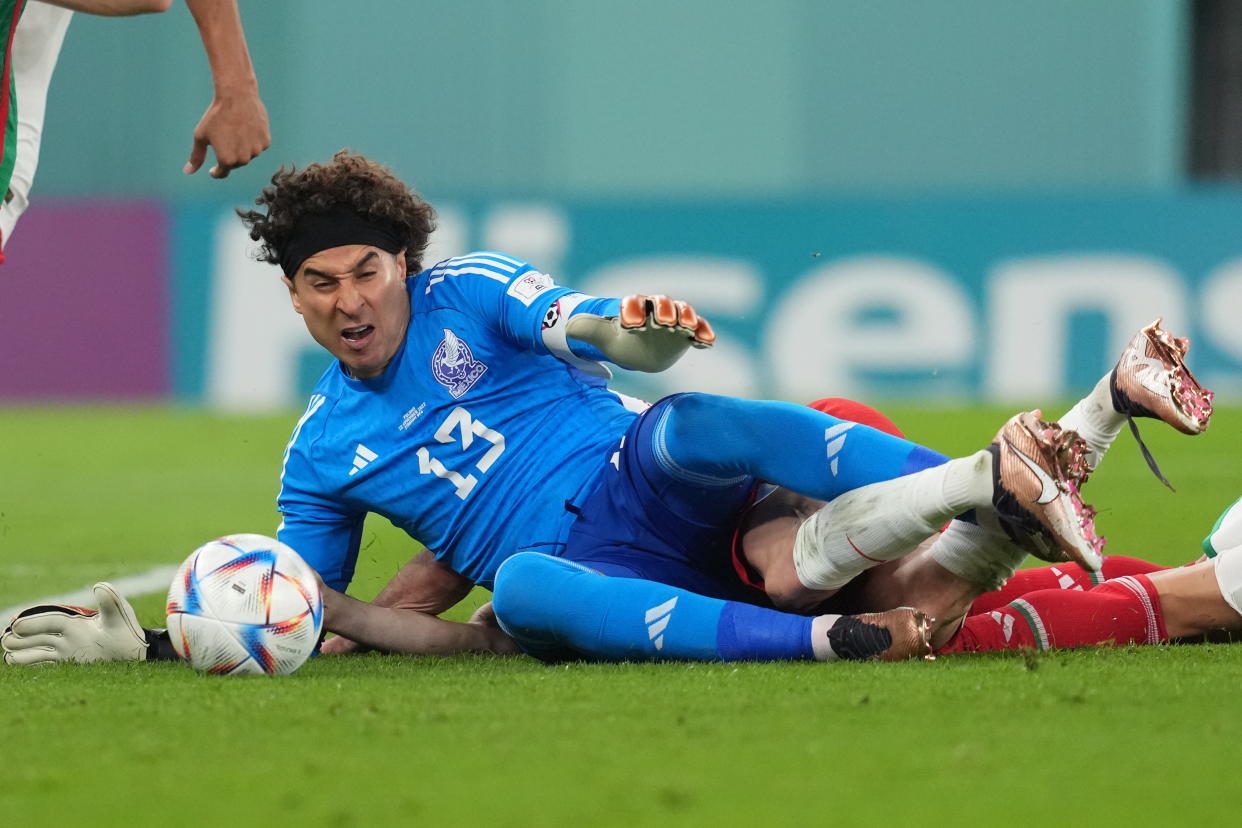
<point x="153" y="580"/>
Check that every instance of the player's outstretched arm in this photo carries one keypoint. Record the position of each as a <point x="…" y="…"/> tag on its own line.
<point x="407" y="631"/>
<point x="235" y="124"/>
<point x="649" y="333"/>
<point x="113" y="8"/>
<point x="424" y="585"/>
<point x="50" y="633"/>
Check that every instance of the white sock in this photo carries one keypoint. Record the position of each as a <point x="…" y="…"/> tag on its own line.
<point x="1095" y="420"/>
<point x="976" y="555"/>
<point x="886" y="520"/>
<point x="820" y="645"/>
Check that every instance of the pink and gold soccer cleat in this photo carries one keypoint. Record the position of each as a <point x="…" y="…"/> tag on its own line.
<point x="1151" y="380"/>
<point x="1037" y="469"/>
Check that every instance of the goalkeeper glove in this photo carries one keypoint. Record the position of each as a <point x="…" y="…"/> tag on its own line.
<point x="50" y="633"/>
<point x="649" y="334"/>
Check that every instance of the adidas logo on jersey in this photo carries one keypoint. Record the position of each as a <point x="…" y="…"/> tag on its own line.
<point x="362" y="458"/>
<point x="1065" y="580"/>
<point x="1006" y="622"/>
<point x="835" y="437"/>
<point x="657" y="620"/>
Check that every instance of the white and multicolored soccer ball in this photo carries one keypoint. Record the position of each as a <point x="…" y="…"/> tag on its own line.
<point x="245" y="604"/>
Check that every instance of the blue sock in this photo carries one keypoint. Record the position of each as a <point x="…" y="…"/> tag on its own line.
<point x="558" y="610"/>
<point x="813" y="453"/>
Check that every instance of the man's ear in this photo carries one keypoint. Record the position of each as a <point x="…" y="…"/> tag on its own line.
<point x="293" y="293"/>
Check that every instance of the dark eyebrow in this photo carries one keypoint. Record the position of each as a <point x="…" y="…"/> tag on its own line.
<point x="310" y="271"/>
<point x="372" y="255"/>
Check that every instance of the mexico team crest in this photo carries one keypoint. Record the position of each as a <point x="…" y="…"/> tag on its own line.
<point x="454" y="366"/>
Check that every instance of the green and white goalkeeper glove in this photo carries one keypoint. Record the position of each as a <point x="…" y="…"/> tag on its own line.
<point x="649" y="333"/>
<point x="49" y="633"/>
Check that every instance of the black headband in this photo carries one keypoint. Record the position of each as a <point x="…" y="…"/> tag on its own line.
<point x="337" y="226"/>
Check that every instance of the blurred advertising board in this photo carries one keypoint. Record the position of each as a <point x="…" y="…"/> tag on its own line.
<point x="1015" y="298"/>
<point x="84" y="300"/>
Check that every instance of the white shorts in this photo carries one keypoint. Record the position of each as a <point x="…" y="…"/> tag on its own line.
<point x="36" y="45"/>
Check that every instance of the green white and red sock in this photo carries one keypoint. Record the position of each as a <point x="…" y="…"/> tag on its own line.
<point x="1120" y="611"/>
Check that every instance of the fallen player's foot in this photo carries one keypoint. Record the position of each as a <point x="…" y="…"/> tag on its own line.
<point x="1151" y="380"/>
<point x="896" y="635"/>
<point x="1037" y="468"/>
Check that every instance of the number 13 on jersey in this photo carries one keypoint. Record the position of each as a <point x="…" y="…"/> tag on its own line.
<point x="468" y="428"/>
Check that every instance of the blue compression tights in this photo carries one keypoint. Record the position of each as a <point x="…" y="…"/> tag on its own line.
<point x="710" y="439"/>
<point x="559" y="610"/>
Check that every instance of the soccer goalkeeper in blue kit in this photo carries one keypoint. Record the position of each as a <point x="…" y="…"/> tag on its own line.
<point x="469" y="406"/>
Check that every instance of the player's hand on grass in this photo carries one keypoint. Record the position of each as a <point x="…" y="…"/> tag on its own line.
<point x="498" y="640"/>
<point x="485" y="616"/>
<point x="49" y="633"/>
<point x="236" y="127"/>
<point x="338" y="645"/>
<point x="649" y="333"/>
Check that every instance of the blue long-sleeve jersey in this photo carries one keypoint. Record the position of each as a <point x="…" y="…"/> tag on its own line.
<point x="475" y="437"/>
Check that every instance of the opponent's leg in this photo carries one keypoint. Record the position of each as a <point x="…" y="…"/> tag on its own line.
<point x="1226" y="533"/>
<point x="1134" y="609"/>
<point x="1023" y="488"/>
<point x="828" y="540"/>
<point x="1150" y="379"/>
<point x="944" y="577"/>
<point x="36" y="46"/>
<point x="557" y="609"/>
<point x="764" y="542"/>
<point x="922" y="580"/>
<point x="1026" y="474"/>
<point x="769" y="528"/>
<point x="1222" y="550"/>
<point x="1061" y="576"/>
<point x="1203" y="598"/>
<point x="1124" y="611"/>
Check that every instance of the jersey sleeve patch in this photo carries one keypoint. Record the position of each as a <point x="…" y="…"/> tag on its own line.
<point x="526" y="287"/>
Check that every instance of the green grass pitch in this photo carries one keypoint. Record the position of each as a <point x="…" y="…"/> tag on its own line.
<point x="1127" y="736"/>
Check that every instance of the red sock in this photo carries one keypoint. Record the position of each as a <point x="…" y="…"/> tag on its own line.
<point x="1121" y="611"/>
<point x="1060" y="576"/>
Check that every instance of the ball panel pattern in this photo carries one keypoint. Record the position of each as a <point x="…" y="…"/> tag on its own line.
<point x="245" y="604"/>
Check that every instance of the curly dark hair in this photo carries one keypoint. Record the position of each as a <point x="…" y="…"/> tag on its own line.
<point x="353" y="180"/>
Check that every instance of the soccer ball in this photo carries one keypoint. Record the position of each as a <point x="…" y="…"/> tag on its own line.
<point x="244" y="604"/>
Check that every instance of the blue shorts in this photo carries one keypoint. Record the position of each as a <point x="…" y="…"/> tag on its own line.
<point x="645" y="521"/>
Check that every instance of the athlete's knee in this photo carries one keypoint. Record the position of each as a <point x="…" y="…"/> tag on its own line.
<point x="769" y="531"/>
<point x="524" y="590"/>
<point x="531" y="598"/>
<point x="515" y="591"/>
<point x="699" y="424"/>
<point x="695" y="410"/>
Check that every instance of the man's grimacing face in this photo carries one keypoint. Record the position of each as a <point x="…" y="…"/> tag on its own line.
<point x="354" y="303"/>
